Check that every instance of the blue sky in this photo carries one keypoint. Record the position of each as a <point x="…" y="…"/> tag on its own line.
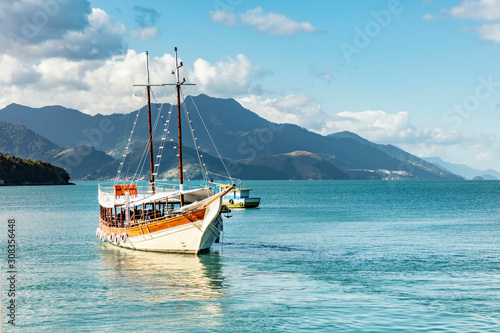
<point x="422" y="75"/>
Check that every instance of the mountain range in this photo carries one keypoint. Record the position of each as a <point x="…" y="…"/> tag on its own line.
<point x="464" y="170"/>
<point x="91" y="147"/>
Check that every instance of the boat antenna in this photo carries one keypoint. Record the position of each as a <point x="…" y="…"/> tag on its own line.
<point x="178" y="84"/>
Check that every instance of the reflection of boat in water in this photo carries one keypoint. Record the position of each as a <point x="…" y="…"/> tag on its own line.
<point x="239" y="197"/>
<point x="160" y="277"/>
<point x="160" y="218"/>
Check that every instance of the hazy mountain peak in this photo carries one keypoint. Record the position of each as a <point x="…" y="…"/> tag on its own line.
<point x="464" y="170"/>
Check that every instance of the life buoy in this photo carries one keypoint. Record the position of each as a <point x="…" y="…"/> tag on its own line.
<point x="241" y="204"/>
<point x="111" y="238"/>
<point x="97" y="232"/>
<point x="231" y="201"/>
<point x="104" y="236"/>
<point x="124" y="238"/>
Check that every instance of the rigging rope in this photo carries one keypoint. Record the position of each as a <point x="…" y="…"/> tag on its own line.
<point x="203" y="166"/>
<point x="142" y="162"/>
<point x="213" y="143"/>
<point x="140" y="166"/>
<point x="162" y="141"/>
<point x="125" y="151"/>
<point x="143" y="159"/>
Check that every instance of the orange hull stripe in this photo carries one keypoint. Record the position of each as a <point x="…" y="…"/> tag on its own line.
<point x="155" y="226"/>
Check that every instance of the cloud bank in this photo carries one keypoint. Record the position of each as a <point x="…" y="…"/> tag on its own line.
<point x="269" y="23"/>
<point x="476" y="10"/>
<point x="34" y="29"/>
<point x="482" y="10"/>
<point x="95" y="86"/>
<point x="377" y="126"/>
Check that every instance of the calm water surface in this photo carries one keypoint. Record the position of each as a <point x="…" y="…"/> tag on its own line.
<point x="362" y="256"/>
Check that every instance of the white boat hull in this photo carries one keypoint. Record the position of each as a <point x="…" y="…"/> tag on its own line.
<point x="194" y="237"/>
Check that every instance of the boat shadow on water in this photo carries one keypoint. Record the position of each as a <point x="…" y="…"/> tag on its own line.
<point x="160" y="277"/>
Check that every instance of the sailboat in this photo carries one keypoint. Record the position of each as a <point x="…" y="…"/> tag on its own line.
<point x="161" y="217"/>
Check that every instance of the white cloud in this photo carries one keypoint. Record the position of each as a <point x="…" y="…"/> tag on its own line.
<point x="269" y="23"/>
<point x="484" y="156"/>
<point x="293" y="109"/>
<point x="91" y="86"/>
<point x="223" y="17"/>
<point x="377" y="126"/>
<point x="276" y="24"/>
<point x="145" y="33"/>
<point x="383" y="127"/>
<point x="487" y="10"/>
<point x="49" y="35"/>
<point x="105" y="86"/>
<point x="429" y="17"/>
<point x="489" y="32"/>
<point x="479" y="10"/>
<point x="15" y="72"/>
<point x="225" y="78"/>
<point x="306" y="112"/>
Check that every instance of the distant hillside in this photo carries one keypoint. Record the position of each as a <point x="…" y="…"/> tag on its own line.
<point x="80" y="162"/>
<point x="20" y="141"/>
<point x="296" y="165"/>
<point x="84" y="162"/>
<point x="241" y="136"/>
<point x="71" y="128"/>
<point x="18" y="171"/>
<point x="68" y="128"/>
<point x="168" y="166"/>
<point x="407" y="163"/>
<point x="464" y="170"/>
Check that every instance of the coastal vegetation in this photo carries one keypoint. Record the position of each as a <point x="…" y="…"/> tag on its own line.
<point x="19" y="171"/>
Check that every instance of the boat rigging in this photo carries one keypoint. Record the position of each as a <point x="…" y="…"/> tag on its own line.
<point x="164" y="218"/>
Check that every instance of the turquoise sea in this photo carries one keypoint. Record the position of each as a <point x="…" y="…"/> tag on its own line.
<point x="326" y="256"/>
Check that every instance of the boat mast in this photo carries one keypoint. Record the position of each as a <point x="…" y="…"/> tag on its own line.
<point x="148" y="88"/>
<point x="179" y="129"/>
<point x="178" y="83"/>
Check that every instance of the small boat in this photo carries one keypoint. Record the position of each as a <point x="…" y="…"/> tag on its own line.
<point x="161" y="217"/>
<point x="238" y="197"/>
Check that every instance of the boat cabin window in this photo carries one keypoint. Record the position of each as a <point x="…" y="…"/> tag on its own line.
<point x="244" y="194"/>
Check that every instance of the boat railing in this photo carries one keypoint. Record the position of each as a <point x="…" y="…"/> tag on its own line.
<point x="140" y="220"/>
<point x="108" y="195"/>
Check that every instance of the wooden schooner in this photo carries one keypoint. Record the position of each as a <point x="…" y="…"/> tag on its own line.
<point x="156" y="217"/>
